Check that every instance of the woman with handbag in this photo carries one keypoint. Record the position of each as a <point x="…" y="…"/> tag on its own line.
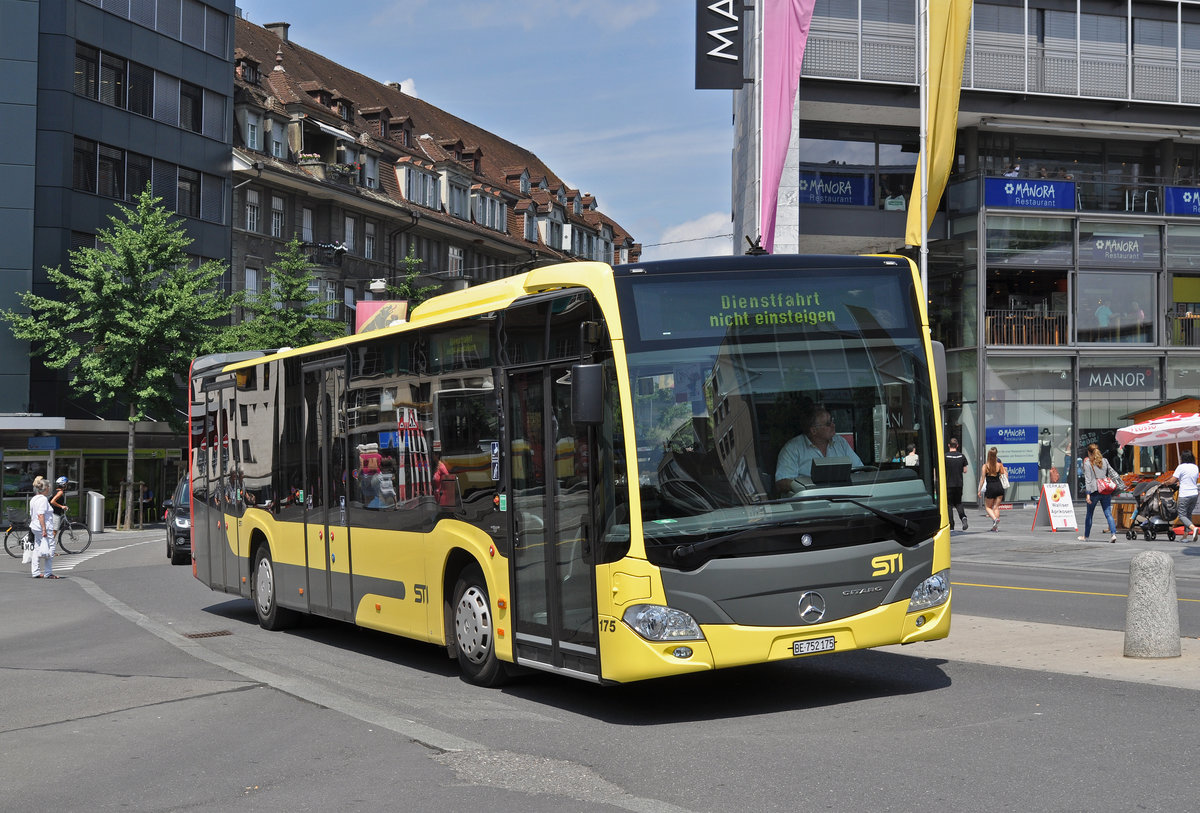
<point x="1100" y="481"/>
<point x="993" y="479"/>
<point x="1186" y="474"/>
<point x="41" y="525"/>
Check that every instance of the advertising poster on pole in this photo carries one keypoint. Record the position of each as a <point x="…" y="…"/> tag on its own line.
<point x="1055" y="509"/>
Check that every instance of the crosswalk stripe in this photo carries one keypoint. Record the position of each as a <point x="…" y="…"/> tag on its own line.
<point x="74" y="559"/>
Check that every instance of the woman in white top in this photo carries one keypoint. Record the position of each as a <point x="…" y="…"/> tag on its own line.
<point x="41" y="522"/>
<point x="1186" y="474"/>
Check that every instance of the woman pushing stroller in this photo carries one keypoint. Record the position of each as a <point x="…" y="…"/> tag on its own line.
<point x="1186" y="474"/>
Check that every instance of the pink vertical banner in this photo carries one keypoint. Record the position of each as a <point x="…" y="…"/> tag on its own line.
<point x="784" y="35"/>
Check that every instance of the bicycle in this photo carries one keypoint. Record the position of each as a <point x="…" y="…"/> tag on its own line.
<point x="73" y="536"/>
<point x="17" y="534"/>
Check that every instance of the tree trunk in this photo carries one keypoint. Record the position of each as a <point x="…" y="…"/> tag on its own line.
<point x="127" y="522"/>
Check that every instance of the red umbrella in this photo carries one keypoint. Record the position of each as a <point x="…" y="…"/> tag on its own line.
<point x="1181" y="427"/>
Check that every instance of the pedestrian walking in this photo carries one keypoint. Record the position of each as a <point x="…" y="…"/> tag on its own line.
<point x="956" y="467"/>
<point x="991" y="486"/>
<point x="41" y="524"/>
<point x="1186" y="474"/>
<point x="58" y="503"/>
<point x="1095" y="468"/>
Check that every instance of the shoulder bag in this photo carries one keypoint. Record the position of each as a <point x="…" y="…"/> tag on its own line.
<point x="1107" y="485"/>
<point x="1004" y="478"/>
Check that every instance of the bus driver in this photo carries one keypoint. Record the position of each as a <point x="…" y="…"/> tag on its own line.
<point x="820" y="440"/>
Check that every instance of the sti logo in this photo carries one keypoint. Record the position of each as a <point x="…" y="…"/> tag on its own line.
<point x="887" y="565"/>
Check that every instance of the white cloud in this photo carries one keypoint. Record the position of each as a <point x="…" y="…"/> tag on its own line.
<point x="706" y="236"/>
<point x="409" y="86"/>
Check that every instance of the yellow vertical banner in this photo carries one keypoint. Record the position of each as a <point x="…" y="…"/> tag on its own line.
<point x="949" y="26"/>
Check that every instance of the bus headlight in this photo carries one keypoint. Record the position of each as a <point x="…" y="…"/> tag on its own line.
<point x="657" y="623"/>
<point x="930" y="593"/>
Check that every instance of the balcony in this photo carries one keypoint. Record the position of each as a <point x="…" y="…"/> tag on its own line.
<point x="1024" y="327"/>
<point x="1184" y="331"/>
<point x="341" y="174"/>
<point x="1009" y="63"/>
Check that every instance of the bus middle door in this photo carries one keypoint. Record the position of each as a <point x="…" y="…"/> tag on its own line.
<point x="553" y="578"/>
<point x="325" y="465"/>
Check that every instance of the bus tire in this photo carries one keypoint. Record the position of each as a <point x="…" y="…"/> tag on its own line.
<point x="474" y="632"/>
<point x="264" y="594"/>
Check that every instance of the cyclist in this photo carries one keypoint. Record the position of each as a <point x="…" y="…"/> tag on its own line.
<point x="58" y="503"/>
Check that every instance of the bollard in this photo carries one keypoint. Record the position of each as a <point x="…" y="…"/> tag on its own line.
<point x="1152" y="611"/>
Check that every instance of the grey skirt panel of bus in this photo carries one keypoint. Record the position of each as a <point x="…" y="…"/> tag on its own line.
<point x="720" y="591"/>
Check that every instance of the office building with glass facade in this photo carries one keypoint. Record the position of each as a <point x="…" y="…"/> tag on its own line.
<point x="1064" y="260"/>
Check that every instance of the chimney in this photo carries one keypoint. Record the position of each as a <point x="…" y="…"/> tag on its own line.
<point x="394" y="85"/>
<point x="279" y="29"/>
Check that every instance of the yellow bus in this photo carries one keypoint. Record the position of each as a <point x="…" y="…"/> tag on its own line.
<point x="610" y="473"/>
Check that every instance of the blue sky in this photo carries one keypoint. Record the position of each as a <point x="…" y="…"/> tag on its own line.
<point x="602" y="92"/>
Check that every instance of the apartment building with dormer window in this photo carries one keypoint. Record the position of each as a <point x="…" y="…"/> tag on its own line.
<point x="366" y="175"/>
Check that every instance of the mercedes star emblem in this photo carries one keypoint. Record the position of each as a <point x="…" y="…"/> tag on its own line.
<point x="812" y="607"/>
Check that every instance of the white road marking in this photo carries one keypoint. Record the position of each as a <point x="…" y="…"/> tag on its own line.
<point x="68" y="561"/>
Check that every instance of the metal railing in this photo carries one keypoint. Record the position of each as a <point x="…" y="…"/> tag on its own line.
<point x="836" y="50"/>
<point x="1183" y="331"/>
<point x="1023" y="327"/>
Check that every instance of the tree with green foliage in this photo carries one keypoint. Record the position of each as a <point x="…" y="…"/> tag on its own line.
<point x="127" y="318"/>
<point x="407" y="287"/>
<point x="289" y="313"/>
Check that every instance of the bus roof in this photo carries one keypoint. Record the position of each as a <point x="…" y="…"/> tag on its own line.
<point x="763" y="262"/>
<point x="473" y="301"/>
<point x="499" y="294"/>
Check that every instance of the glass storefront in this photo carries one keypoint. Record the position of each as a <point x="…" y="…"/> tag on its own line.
<point x="1027" y="417"/>
<point x="1109" y="388"/>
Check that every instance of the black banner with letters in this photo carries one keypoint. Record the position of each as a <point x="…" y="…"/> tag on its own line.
<point x="720" y="28"/>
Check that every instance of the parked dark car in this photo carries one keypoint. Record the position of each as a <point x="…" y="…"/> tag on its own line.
<point x="179" y="524"/>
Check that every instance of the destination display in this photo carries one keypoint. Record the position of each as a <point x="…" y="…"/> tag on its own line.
<point x="670" y="312"/>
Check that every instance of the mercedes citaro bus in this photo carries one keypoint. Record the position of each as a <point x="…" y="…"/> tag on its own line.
<point x="577" y="469"/>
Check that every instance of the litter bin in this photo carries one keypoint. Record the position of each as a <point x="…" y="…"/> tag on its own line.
<point x="95" y="512"/>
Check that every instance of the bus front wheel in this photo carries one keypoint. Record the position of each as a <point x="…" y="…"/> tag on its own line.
<point x="474" y="632"/>
<point x="263" y="593"/>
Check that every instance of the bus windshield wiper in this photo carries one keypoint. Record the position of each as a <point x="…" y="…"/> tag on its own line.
<point x="908" y="526"/>
<point x="683" y="551"/>
<point x="905" y="525"/>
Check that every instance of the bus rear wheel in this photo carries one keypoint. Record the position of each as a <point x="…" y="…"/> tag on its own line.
<point x="474" y="632"/>
<point x="263" y="593"/>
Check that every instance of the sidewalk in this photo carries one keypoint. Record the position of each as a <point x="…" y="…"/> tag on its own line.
<point x="1053" y="647"/>
<point x="1016" y="543"/>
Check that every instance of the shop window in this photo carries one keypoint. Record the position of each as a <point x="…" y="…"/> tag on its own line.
<point x="1026" y="306"/>
<point x="1183" y="313"/>
<point x="1115" y="306"/>
<point x="1029" y="241"/>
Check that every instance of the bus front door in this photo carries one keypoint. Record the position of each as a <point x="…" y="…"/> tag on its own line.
<point x="326" y="533"/>
<point x="553" y="575"/>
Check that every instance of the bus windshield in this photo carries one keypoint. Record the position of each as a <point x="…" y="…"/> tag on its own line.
<point x="787" y="398"/>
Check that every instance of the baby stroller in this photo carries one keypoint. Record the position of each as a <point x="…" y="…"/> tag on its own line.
<point x="1154" y="510"/>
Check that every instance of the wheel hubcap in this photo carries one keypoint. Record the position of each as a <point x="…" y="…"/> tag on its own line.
<point x="264" y="586"/>
<point x="473" y="625"/>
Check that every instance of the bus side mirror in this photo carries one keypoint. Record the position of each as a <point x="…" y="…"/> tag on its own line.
<point x="939" y="369"/>
<point x="587" y="394"/>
